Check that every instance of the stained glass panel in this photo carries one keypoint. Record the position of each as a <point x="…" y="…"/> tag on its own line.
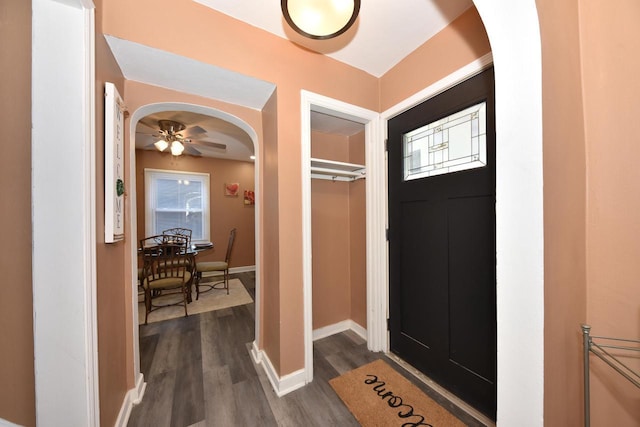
<point x="454" y="143"/>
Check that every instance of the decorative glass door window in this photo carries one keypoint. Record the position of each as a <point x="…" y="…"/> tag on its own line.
<point x="454" y="143"/>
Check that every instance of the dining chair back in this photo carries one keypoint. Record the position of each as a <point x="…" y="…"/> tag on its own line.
<point x="179" y="231"/>
<point x="165" y="273"/>
<point x="212" y="266"/>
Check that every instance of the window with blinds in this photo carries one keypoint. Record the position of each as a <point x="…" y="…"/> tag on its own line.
<point x="177" y="199"/>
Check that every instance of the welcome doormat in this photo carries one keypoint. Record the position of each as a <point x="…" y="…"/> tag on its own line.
<point x="214" y="299"/>
<point x="378" y="396"/>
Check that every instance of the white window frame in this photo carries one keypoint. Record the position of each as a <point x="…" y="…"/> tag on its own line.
<point x="151" y="175"/>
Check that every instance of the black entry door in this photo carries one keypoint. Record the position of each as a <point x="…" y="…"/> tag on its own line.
<point x="442" y="313"/>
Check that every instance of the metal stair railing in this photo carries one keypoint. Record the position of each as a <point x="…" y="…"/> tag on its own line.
<point x="599" y="349"/>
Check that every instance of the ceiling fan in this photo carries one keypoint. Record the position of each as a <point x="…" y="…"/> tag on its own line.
<point x="176" y="137"/>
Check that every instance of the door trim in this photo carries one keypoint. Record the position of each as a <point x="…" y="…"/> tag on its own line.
<point x="375" y="221"/>
<point x="64" y="361"/>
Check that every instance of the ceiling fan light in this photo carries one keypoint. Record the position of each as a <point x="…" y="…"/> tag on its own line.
<point x="176" y="148"/>
<point x="161" y="144"/>
<point x="320" y="19"/>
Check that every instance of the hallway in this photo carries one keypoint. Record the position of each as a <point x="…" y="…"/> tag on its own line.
<point x="199" y="373"/>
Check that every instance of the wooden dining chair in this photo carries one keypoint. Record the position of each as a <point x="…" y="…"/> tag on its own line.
<point x="166" y="271"/>
<point x="179" y="231"/>
<point x="211" y="266"/>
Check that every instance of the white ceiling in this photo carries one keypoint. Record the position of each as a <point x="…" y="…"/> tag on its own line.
<point x="384" y="33"/>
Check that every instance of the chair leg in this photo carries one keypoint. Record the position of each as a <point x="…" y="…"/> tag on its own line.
<point x="147" y="304"/>
<point x="184" y="300"/>
<point x="197" y="283"/>
<point x="226" y="280"/>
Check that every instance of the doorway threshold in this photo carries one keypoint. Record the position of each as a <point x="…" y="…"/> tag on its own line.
<point x="444" y="393"/>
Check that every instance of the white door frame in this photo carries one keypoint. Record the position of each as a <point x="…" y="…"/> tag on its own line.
<point x="63" y="213"/>
<point x="514" y="34"/>
<point x="375" y="224"/>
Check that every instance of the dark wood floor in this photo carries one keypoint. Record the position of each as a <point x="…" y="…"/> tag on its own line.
<point x="199" y="373"/>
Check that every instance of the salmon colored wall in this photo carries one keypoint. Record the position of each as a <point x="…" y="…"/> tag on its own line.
<point x="457" y="45"/>
<point x="113" y="288"/>
<point x="610" y="39"/>
<point x="564" y="211"/>
<point x="270" y="306"/>
<point x="140" y="94"/>
<point x="330" y="236"/>
<point x="17" y="381"/>
<point x="338" y="220"/>
<point x="330" y="248"/>
<point x="358" y="235"/>
<point x="226" y="212"/>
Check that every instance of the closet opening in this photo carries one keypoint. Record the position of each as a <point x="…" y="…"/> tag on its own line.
<point x="337" y="141"/>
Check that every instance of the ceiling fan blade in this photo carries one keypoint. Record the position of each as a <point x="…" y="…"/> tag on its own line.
<point x="155" y="135"/>
<point x="188" y="149"/>
<point x="193" y="131"/>
<point x="149" y="124"/>
<point x="208" y="144"/>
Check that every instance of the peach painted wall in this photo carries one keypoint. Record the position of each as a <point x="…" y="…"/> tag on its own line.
<point x="564" y="211"/>
<point x="270" y="305"/>
<point x="358" y="235"/>
<point x="460" y="43"/>
<point x="113" y="288"/>
<point x="225" y="212"/>
<point x="610" y="39"/>
<point x="338" y="236"/>
<point x="330" y="236"/>
<point x="17" y="381"/>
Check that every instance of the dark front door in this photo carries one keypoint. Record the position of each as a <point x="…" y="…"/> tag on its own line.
<point x="442" y="258"/>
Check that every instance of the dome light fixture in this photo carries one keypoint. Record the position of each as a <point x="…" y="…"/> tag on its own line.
<point x="320" y="19"/>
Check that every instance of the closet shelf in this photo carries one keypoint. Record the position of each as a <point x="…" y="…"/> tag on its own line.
<point x="336" y="171"/>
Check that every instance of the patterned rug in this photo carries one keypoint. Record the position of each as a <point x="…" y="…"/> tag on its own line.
<point x="215" y="299"/>
<point x="378" y="396"/>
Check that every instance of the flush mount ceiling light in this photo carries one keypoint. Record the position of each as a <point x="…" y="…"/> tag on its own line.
<point x="320" y="19"/>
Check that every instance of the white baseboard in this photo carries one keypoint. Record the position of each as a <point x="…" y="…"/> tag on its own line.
<point x="297" y="379"/>
<point x="256" y="353"/>
<point x="336" y="328"/>
<point x="280" y="385"/>
<point x="133" y="397"/>
<point x="5" y="423"/>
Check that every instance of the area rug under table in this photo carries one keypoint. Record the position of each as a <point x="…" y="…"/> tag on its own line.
<point x="215" y="299"/>
<point x="379" y="396"/>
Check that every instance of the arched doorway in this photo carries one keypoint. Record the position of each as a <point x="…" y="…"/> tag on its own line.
<point x="514" y="34"/>
<point x="198" y="109"/>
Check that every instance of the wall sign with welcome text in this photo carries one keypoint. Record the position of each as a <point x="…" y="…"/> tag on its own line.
<point x="113" y="165"/>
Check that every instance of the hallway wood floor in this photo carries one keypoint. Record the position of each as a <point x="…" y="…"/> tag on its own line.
<point x="199" y="372"/>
